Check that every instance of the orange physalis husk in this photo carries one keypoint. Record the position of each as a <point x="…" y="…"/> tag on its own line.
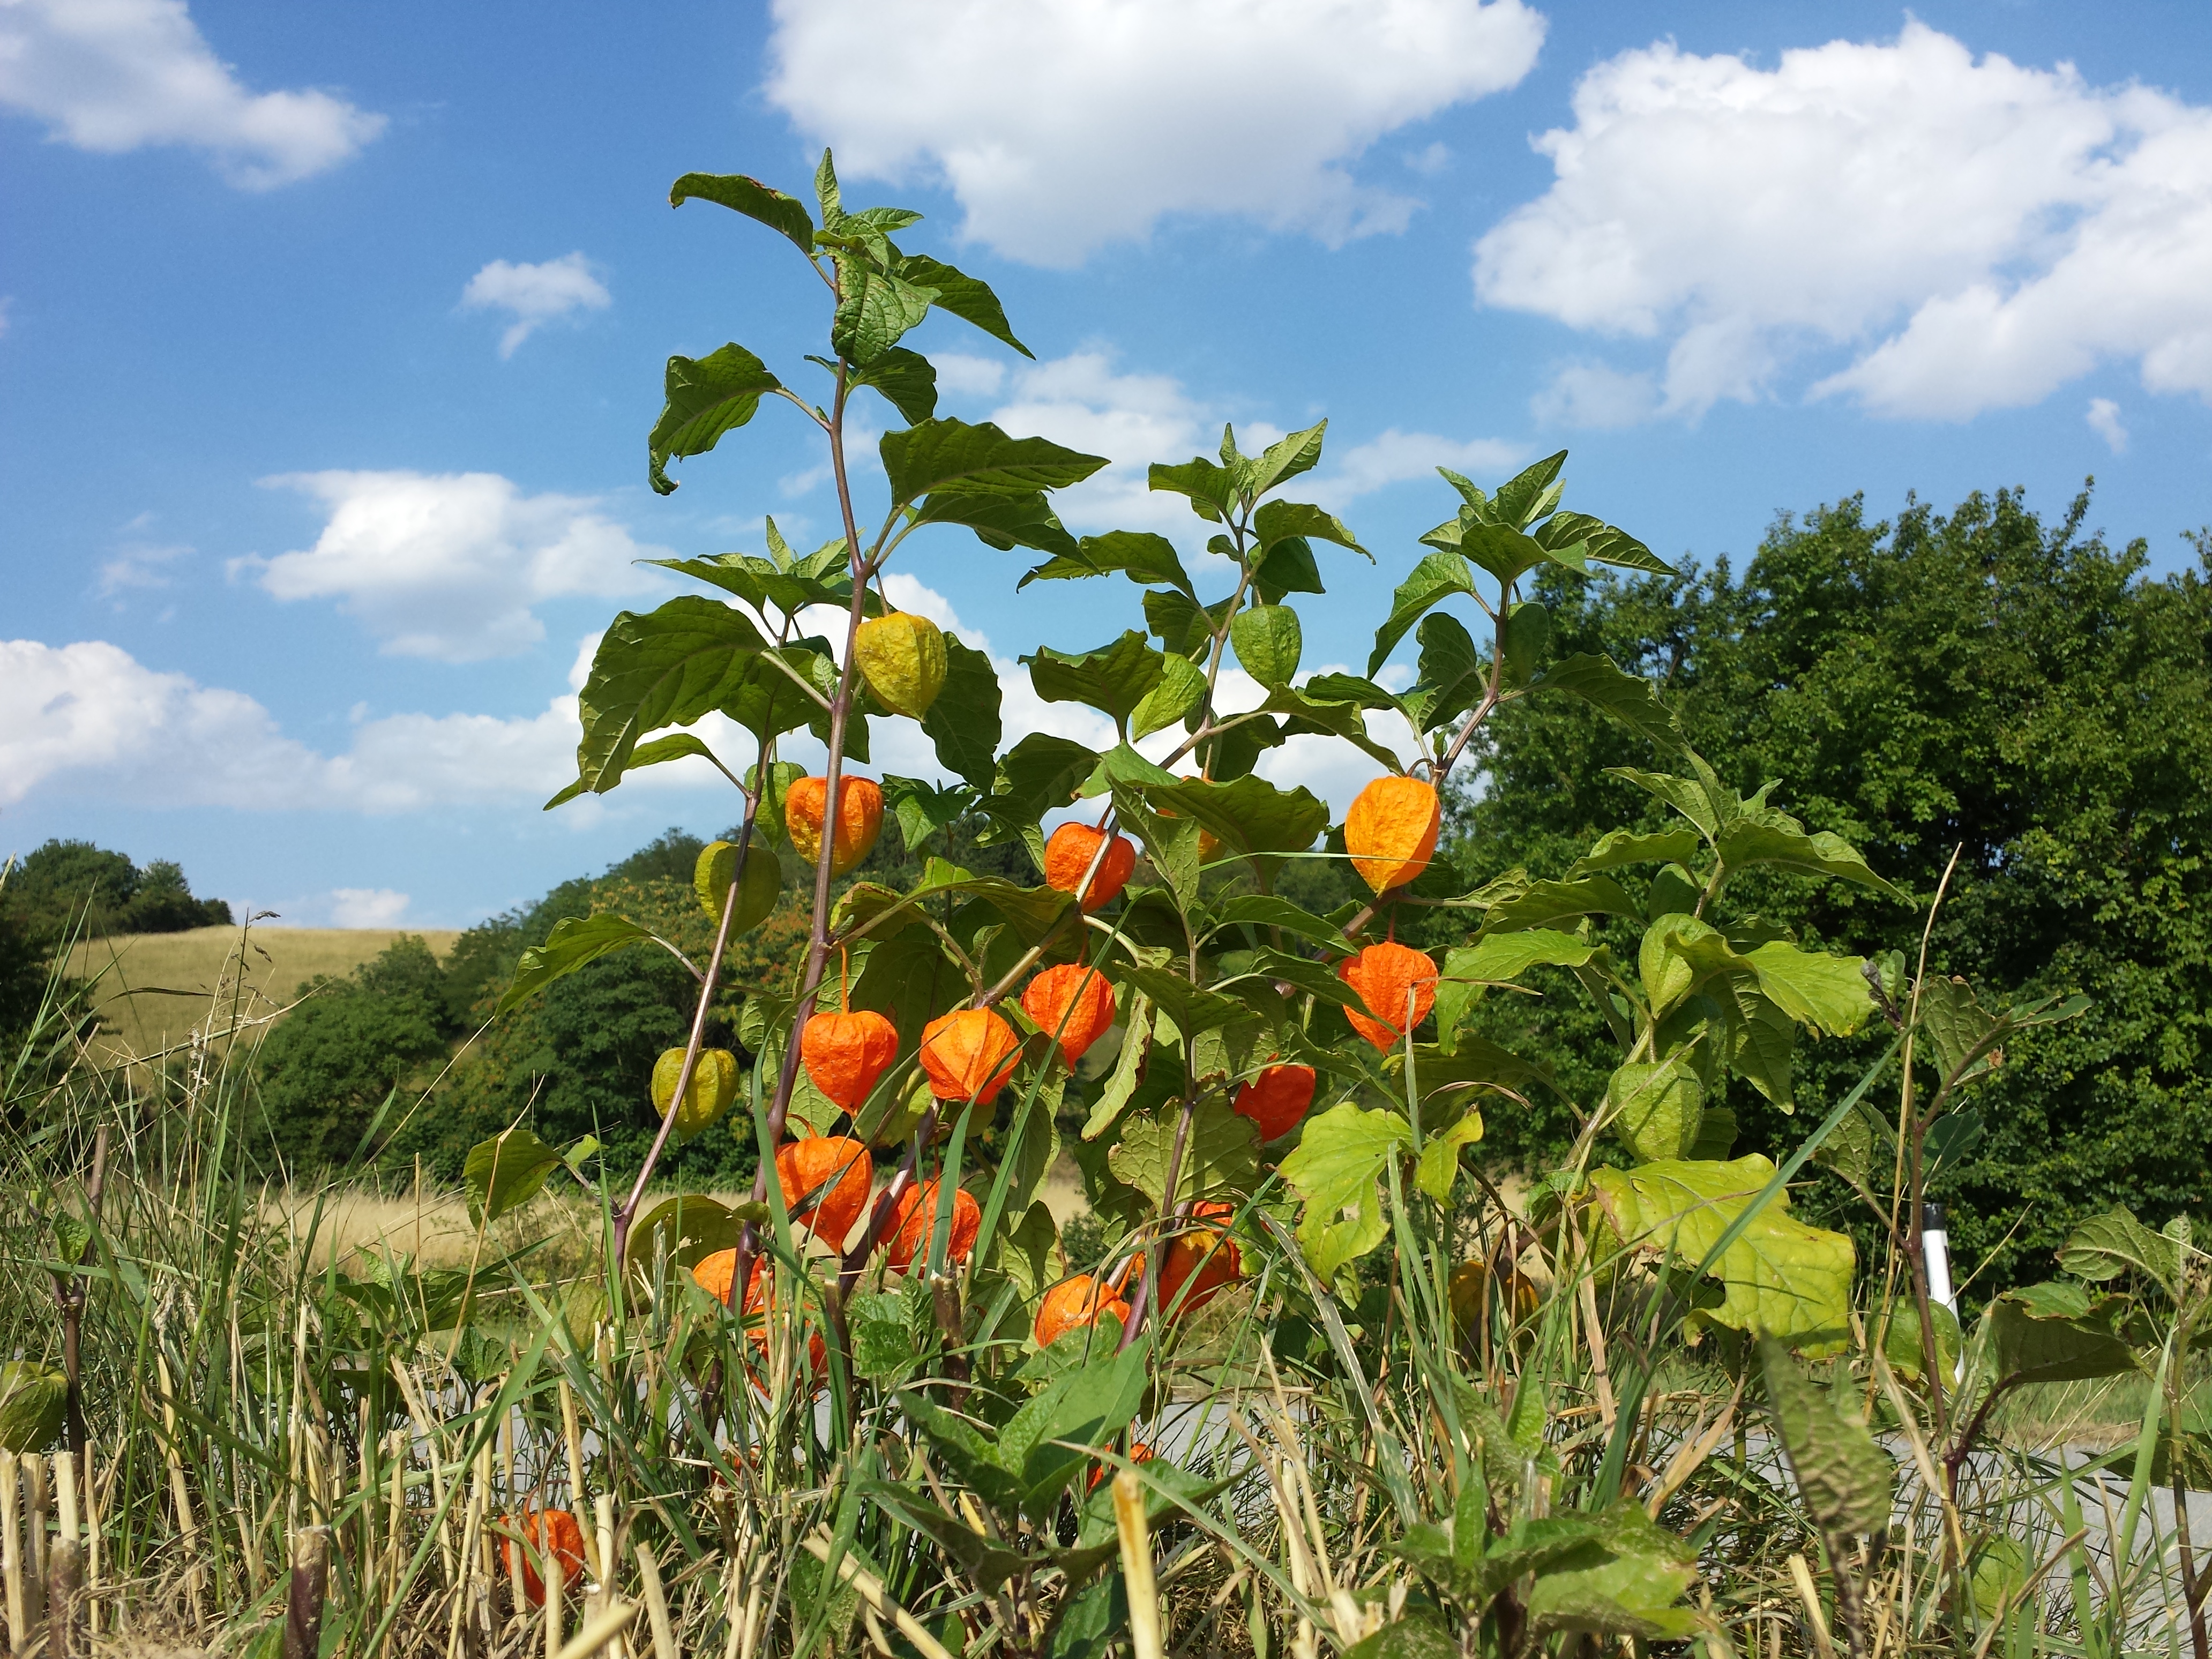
<point x="1067" y="855"/>
<point x="1198" y="1263"/>
<point x="714" y="1274"/>
<point x="969" y="1055"/>
<point x="846" y="1053"/>
<point x="1391" y="831"/>
<point x="825" y="1182"/>
<point x="1276" y="1099"/>
<point x="1139" y="1453"/>
<point x="560" y="1535"/>
<point x="1072" y="1003"/>
<point x="916" y="1213"/>
<point x="1383" y="975"/>
<point x="1073" y="1304"/>
<point x="859" y="819"/>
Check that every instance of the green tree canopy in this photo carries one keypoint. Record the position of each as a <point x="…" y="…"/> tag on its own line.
<point x="1978" y="680"/>
<point x="68" y="884"/>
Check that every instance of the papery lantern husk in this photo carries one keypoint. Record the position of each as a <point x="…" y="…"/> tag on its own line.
<point x="845" y="1053"/>
<point x="1391" y="831"/>
<point x="969" y="1055"/>
<point x="548" y="1532"/>
<point x="902" y="658"/>
<point x="859" y="819"/>
<point x="1197" y="1265"/>
<point x="1072" y="1004"/>
<point x="715" y="1275"/>
<point x="1276" y="1099"/>
<point x="717" y="867"/>
<point x="713" y="1086"/>
<point x="1073" y="1304"/>
<point x="825" y="1181"/>
<point x="1383" y="975"/>
<point x="916" y="1213"/>
<point x="1067" y="857"/>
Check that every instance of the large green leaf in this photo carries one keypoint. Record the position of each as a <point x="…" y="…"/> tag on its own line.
<point x="771" y="698"/>
<point x="676" y="745"/>
<point x="2054" y="1332"/>
<point x="1599" y="542"/>
<point x="689" y="1227"/>
<point x="1249" y="816"/>
<point x="1690" y="797"/>
<point x="1435" y="578"/>
<point x="779" y="212"/>
<point x="875" y="310"/>
<point x="923" y="810"/>
<point x="1829" y="993"/>
<point x="761" y="582"/>
<point x="575" y="941"/>
<point x="1287" y="457"/>
<point x="910" y="981"/>
<point x="1040" y="774"/>
<point x="1452" y="675"/>
<point x="1529" y="494"/>
<point x="949" y="454"/>
<point x="1275" y="522"/>
<point x="1600" y="682"/>
<point x="907" y="380"/>
<point x="2108" y="1245"/>
<point x="1628" y="1584"/>
<point x="1775" y="838"/>
<point x="1140" y="555"/>
<point x="1847" y="1481"/>
<point x="969" y="298"/>
<point x="1179" y="691"/>
<point x="505" y="1172"/>
<point x="1192" y="1009"/>
<point x="1621" y="847"/>
<point x="706" y="397"/>
<point x="963" y="722"/>
<point x="1220" y="1158"/>
<point x="667" y="667"/>
<point x="1001" y="522"/>
<point x="1114" y="678"/>
<point x="1211" y="490"/>
<point x="1340" y="1158"/>
<point x="1779" y="1276"/>
<point x="1547" y="901"/>
<point x="1267" y="641"/>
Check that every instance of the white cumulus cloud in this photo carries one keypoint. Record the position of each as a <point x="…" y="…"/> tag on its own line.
<point x="367" y="907"/>
<point x="535" y="294"/>
<point x="1978" y="232"/>
<point x="110" y="76"/>
<point x="1062" y="126"/>
<point x="2104" y="418"/>
<point x="449" y="565"/>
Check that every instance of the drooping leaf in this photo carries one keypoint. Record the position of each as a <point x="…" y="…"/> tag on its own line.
<point x="1656" y="1106"/>
<point x="1275" y="522"/>
<point x="922" y="810"/>
<point x="1190" y="1008"/>
<point x="1600" y="682"/>
<point x="1339" y="1159"/>
<point x="1288" y="567"/>
<point x="1525" y="636"/>
<point x="33" y="1405"/>
<point x="907" y="380"/>
<point x="2054" y="1332"/>
<point x="964" y="723"/>
<point x="1114" y="678"/>
<point x="1546" y="902"/>
<point x="1267" y="641"/>
<point x="967" y="298"/>
<point x="676" y="745"/>
<point x="1688" y="796"/>
<point x="947" y="454"/>
<point x="1180" y="688"/>
<point x="706" y="397"/>
<point x="1599" y="542"/>
<point x="1141" y="555"/>
<point x="505" y="1172"/>
<point x="1249" y="816"/>
<point x="1040" y="774"/>
<point x="1003" y="521"/>
<point x="666" y="667"/>
<point x="1435" y="578"/>
<point x="1452" y="675"/>
<point x="1622" y="846"/>
<point x="786" y="215"/>
<point x="1774" y="838"/>
<point x="575" y="941"/>
<point x="1779" y="1276"/>
<point x="1845" y="1478"/>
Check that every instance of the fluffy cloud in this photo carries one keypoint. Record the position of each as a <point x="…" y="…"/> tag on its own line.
<point x="449" y="566"/>
<point x="2104" y="418"/>
<point x="1062" y="126"/>
<point x="1978" y="231"/>
<point x="535" y="294"/>
<point x="367" y="907"/>
<point x="110" y="76"/>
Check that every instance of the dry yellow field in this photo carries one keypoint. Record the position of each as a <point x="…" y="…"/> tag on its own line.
<point x="141" y="972"/>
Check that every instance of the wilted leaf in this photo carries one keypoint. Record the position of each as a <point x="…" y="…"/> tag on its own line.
<point x="1845" y="1478"/>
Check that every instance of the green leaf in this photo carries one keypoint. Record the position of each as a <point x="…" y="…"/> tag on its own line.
<point x="1829" y="993"/>
<point x="1286" y="459"/>
<point x="875" y="310"/>
<point x="907" y="380"/>
<point x="1288" y="567"/>
<point x="1114" y="678"/>
<point x="33" y="1405"/>
<point x="1140" y="555"/>
<point x="1192" y="1009"/>
<point x="1435" y="578"/>
<point x="1438" y="1166"/>
<point x="2053" y="1332"/>
<point x="1264" y="910"/>
<point x="2115" y="1243"/>
<point x="784" y="214"/>
<point x="967" y="298"/>
<point x="1354" y="688"/>
<point x="1846" y="1480"/>
<point x="1419" y="1635"/>
<point x="1251" y="816"/>
<point x="1180" y="688"/>
<point x="1267" y="641"/>
<point x="1688" y="796"/>
<point x="1452" y="675"/>
<point x="1504" y="552"/>
<point x="575" y="941"/>
<point x="1777" y="839"/>
<point x="1045" y="1441"/>
<point x="688" y="1227"/>
<point x="1546" y="902"/>
<point x="1505" y="957"/>
<point x="1527" y="635"/>
<point x="964" y="723"/>
<point x="1600" y="543"/>
<point x="1629" y="1590"/>
<point x="1339" y="1160"/>
<point x="1780" y="1276"/>
<point x="1623" y="846"/>
<point x="1040" y="774"/>
<point x="988" y="1563"/>
<point x="668" y="667"/>
<point x="949" y="454"/>
<point x="1128" y="1071"/>
<point x="706" y="397"/>
<point x="1211" y="489"/>
<point x="1656" y="1107"/>
<point x="1599" y="682"/>
<point x="676" y="745"/>
<point x="1220" y="1159"/>
<point x="1275" y="522"/>
<point x="1183" y="625"/>
<point x="1031" y="1254"/>
<point x="923" y="810"/>
<point x="1336" y="720"/>
<point x="1528" y="494"/>
<point x="910" y="980"/>
<point x="505" y="1172"/>
<point x="1001" y="522"/>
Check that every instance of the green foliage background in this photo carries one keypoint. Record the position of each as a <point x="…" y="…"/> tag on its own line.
<point x="1979" y="679"/>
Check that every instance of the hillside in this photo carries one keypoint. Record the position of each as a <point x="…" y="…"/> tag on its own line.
<point x="140" y="1007"/>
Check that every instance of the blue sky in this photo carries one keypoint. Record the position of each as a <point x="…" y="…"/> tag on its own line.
<point x="333" y="334"/>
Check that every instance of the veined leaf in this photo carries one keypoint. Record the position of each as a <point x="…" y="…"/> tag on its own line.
<point x="1286" y="459"/>
<point x="1600" y="682"/>
<point x="2108" y="1246"/>
<point x="33" y="1407"/>
<point x="505" y="1172"/>
<point x="907" y="380"/>
<point x="874" y="312"/>
<point x="676" y="745"/>
<point x="1267" y="641"/>
<point x="1141" y="555"/>
<point x="1776" y="838"/>
<point x="1220" y="1158"/>
<point x="969" y="298"/>
<point x="2054" y="1332"/>
<point x="1280" y="521"/>
<point x="1435" y="578"/>
<point x="1600" y="543"/>
<point x="1114" y="678"/>
<point x="1623" y="847"/>
<point x="1339" y="1160"/>
<point x="786" y="215"/>
<point x="1211" y="489"/>
<point x="667" y="667"/>
<point x="706" y="397"/>
<point x="1001" y="522"/>
<point x="573" y="942"/>
<point x="1688" y="796"/>
<point x="949" y="454"/>
<point x="1180" y="688"/>
<point x="922" y="810"/>
<point x="1453" y="676"/>
<point x="1546" y="902"/>
<point x="1039" y="773"/>
<point x="1249" y="816"/>
<point x="964" y="723"/>
<point x="1846" y="1480"/>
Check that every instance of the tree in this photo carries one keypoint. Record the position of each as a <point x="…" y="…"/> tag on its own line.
<point x="1977" y="680"/>
<point x="68" y="886"/>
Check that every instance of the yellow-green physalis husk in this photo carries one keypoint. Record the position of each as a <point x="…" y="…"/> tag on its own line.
<point x="718" y="863"/>
<point x="902" y="658"/>
<point x="713" y="1086"/>
<point x="32" y="1401"/>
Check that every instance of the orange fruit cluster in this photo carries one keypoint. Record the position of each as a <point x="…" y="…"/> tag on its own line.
<point x="845" y="1053"/>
